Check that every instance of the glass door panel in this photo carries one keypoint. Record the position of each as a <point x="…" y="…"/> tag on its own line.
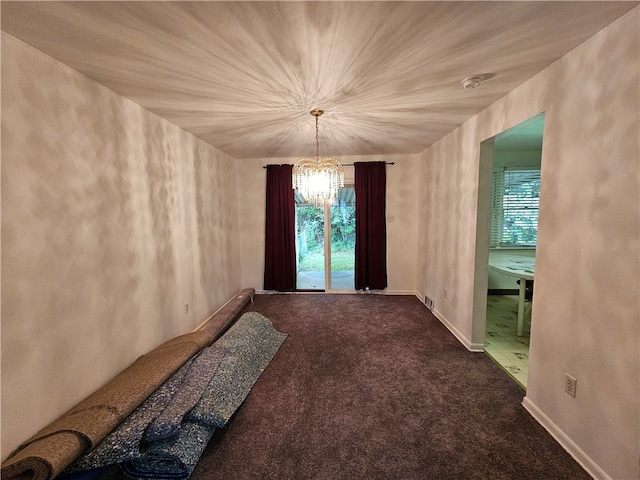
<point x="310" y="246"/>
<point x="343" y="240"/>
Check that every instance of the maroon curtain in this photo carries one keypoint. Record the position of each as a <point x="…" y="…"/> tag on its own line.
<point x="280" y="231"/>
<point x="371" y="227"/>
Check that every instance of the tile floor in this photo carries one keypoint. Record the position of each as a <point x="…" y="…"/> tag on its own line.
<point x="501" y="342"/>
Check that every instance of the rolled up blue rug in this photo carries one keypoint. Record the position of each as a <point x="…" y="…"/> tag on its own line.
<point x="203" y="368"/>
<point x="248" y="346"/>
<point x="174" y="458"/>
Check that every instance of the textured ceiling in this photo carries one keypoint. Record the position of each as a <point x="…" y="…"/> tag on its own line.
<point x="244" y="75"/>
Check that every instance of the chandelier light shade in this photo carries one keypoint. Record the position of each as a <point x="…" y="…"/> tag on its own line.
<point x="318" y="180"/>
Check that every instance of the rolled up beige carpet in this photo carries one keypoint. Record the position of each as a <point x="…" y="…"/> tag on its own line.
<point x="52" y="449"/>
<point x="49" y="451"/>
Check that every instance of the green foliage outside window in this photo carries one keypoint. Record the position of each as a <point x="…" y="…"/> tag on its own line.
<point x="310" y="234"/>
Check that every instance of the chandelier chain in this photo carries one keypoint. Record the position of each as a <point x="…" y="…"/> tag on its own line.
<point x="317" y="141"/>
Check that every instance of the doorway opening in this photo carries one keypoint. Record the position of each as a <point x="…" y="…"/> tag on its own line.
<point x="325" y="243"/>
<point x="508" y="202"/>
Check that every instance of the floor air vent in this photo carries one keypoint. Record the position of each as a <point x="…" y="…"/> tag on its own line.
<point x="428" y="302"/>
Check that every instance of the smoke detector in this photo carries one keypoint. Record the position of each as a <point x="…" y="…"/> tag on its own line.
<point x="472" y="82"/>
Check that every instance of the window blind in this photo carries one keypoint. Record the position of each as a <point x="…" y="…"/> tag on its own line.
<point x="514" y="207"/>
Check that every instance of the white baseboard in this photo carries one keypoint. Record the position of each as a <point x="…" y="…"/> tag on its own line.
<point x="201" y="326"/>
<point x="403" y="292"/>
<point x="473" y="347"/>
<point x="563" y="439"/>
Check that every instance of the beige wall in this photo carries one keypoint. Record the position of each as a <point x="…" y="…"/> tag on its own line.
<point x="112" y="219"/>
<point x="402" y="196"/>
<point x="586" y="303"/>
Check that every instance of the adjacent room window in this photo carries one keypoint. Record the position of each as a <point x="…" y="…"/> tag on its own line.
<point x="514" y="207"/>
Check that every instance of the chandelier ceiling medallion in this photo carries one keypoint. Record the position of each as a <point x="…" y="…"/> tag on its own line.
<point x="318" y="180"/>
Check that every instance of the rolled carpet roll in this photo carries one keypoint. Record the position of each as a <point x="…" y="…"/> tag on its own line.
<point x="123" y="442"/>
<point x="43" y="460"/>
<point x="198" y="376"/>
<point x="161" y="413"/>
<point x="173" y="458"/>
<point x="51" y="450"/>
<point x="248" y="346"/>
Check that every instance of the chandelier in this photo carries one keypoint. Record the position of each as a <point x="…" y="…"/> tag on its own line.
<point x="318" y="180"/>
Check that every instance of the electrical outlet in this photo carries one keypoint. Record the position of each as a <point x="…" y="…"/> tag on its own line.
<point x="570" y="385"/>
<point x="186" y="307"/>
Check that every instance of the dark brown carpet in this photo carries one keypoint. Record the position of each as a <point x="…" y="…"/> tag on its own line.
<point x="375" y="387"/>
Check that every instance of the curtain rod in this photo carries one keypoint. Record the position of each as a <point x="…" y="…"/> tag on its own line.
<point x="344" y="164"/>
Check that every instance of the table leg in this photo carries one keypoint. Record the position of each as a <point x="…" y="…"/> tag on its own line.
<point x="523" y="287"/>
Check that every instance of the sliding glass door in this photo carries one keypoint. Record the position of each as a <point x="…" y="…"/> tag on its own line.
<point x="343" y="240"/>
<point x="325" y="243"/>
<point x="310" y="243"/>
